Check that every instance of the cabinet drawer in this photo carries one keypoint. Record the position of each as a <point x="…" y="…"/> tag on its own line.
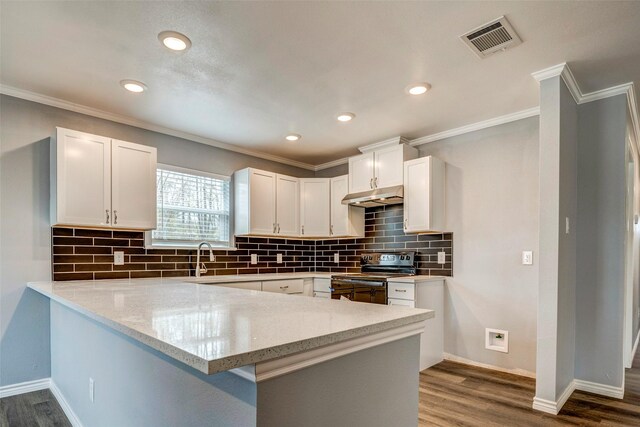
<point x="403" y="302"/>
<point x="401" y="291"/>
<point x="322" y="285"/>
<point x="326" y="295"/>
<point x="291" y="286"/>
<point x="254" y="286"/>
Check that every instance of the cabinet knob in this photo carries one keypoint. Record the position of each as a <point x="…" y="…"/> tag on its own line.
<point x="107" y="212"/>
<point x="115" y="217"/>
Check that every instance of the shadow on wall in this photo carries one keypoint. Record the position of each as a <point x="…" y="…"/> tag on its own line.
<point x="15" y="349"/>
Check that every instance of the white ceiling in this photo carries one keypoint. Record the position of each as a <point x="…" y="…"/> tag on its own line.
<point x="259" y="70"/>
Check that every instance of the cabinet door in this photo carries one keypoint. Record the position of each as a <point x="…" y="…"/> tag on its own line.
<point x="133" y="185"/>
<point x="287" y="205"/>
<point x="314" y="207"/>
<point x="291" y="286"/>
<point x="81" y="188"/>
<point x="361" y="173"/>
<point x="339" y="212"/>
<point x="388" y="164"/>
<point x="262" y="202"/>
<point x="252" y="286"/>
<point x="416" y="195"/>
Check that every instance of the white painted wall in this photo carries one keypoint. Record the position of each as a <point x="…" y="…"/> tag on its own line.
<point x="492" y="210"/>
<point x="25" y="246"/>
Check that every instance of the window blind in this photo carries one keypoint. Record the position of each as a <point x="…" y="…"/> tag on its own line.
<point x="192" y="207"/>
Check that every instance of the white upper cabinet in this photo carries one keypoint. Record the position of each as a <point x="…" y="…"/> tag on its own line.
<point x="361" y="173"/>
<point x="345" y="220"/>
<point x="315" y="207"/>
<point x="424" y="195"/>
<point x="380" y="166"/>
<point x="82" y="182"/>
<point x="287" y="205"/>
<point x="133" y="185"/>
<point x="266" y="203"/>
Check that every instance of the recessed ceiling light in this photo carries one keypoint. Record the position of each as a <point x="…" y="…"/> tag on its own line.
<point x="293" y="137"/>
<point x="418" y="88"/>
<point x="133" y="86"/>
<point x="346" y="117"/>
<point x="174" y="41"/>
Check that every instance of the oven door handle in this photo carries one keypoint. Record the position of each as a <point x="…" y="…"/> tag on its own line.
<point x="358" y="282"/>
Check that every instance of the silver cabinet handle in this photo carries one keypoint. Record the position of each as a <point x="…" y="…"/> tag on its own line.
<point x="405" y="223"/>
<point x="107" y="211"/>
<point x="303" y="229"/>
<point x="371" y="183"/>
<point x="274" y="228"/>
<point x="284" y="287"/>
<point x="278" y="228"/>
<point x="115" y="217"/>
<point x="331" y="229"/>
<point x="400" y="290"/>
<point x="375" y="182"/>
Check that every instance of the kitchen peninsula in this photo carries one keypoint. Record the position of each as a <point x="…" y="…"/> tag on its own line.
<point x="178" y="352"/>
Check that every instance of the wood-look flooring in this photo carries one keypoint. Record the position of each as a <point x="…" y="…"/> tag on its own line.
<point x="453" y="394"/>
<point x="35" y="409"/>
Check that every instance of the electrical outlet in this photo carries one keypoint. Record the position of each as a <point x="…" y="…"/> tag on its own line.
<point x="279" y="259"/>
<point x="92" y="390"/>
<point x="442" y="257"/>
<point x="527" y="257"/>
<point x="336" y="258"/>
<point x="254" y="258"/>
<point x="118" y="258"/>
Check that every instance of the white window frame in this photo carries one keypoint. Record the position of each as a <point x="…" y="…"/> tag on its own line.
<point x="148" y="236"/>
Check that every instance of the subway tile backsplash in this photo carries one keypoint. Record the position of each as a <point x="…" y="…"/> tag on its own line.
<point x="84" y="254"/>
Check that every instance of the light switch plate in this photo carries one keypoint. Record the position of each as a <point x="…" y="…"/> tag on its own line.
<point x="567" y="227"/>
<point x="279" y="259"/>
<point x="442" y="257"/>
<point x="527" y="257"/>
<point x="118" y="258"/>
<point x="254" y="258"/>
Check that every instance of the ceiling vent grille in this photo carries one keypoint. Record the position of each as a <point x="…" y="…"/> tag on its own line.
<point x="492" y="37"/>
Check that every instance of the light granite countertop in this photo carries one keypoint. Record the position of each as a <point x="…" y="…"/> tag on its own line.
<point x="215" y="329"/>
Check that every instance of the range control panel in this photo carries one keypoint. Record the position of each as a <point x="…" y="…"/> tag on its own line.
<point x="388" y="258"/>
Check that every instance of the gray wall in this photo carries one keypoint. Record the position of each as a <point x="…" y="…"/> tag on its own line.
<point x="601" y="241"/>
<point x="557" y="265"/>
<point x="25" y="246"/>
<point x="492" y="210"/>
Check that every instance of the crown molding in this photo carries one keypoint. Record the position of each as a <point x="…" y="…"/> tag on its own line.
<point x="386" y="143"/>
<point x="563" y="70"/>
<point x="331" y="164"/>
<point x="118" y="118"/>
<point x="496" y="121"/>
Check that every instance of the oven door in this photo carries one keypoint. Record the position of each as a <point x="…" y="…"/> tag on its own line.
<point x="341" y="288"/>
<point x="371" y="292"/>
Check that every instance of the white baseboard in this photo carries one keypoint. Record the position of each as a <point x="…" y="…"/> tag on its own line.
<point x="601" y="389"/>
<point x="25" y="387"/>
<point x="515" y="371"/>
<point x="73" y="418"/>
<point x="553" y="407"/>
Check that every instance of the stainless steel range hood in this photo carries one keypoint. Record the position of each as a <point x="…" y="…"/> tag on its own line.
<point x="378" y="197"/>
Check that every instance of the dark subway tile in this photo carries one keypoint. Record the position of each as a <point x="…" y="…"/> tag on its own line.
<point x="93" y="250"/>
<point x="83" y="232"/>
<point x="111" y="242"/>
<point x="118" y="234"/>
<point x="145" y="274"/>
<point x="72" y="259"/>
<point x="72" y="241"/>
<point x="62" y="231"/>
<point x="72" y="276"/>
<point x="146" y="258"/>
<point x="129" y="266"/>
<point x="93" y="267"/>
<point x="111" y="275"/>
<point x="63" y="250"/>
<point x="175" y="273"/>
<point x="62" y="268"/>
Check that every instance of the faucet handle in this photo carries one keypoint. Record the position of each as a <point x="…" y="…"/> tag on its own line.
<point x="203" y="268"/>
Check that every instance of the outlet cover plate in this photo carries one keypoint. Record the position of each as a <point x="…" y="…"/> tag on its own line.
<point x="442" y="257"/>
<point x="118" y="257"/>
<point x="278" y="258"/>
<point x="527" y="257"/>
<point x="254" y="259"/>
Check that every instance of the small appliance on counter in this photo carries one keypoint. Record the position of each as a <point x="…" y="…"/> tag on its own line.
<point x="370" y="285"/>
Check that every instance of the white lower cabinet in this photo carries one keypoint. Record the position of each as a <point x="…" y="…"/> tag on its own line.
<point x="322" y="288"/>
<point x="290" y="286"/>
<point x="429" y="295"/>
<point x="326" y="295"/>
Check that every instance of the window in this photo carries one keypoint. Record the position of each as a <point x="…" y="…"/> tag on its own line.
<point x="193" y="206"/>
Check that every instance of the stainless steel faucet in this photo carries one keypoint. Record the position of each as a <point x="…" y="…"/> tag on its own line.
<point x="212" y="258"/>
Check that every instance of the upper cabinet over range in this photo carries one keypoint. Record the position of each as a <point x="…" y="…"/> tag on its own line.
<point x="102" y="182"/>
<point x="380" y="165"/>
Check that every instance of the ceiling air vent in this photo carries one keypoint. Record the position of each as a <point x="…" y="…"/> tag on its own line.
<point x="491" y="37"/>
